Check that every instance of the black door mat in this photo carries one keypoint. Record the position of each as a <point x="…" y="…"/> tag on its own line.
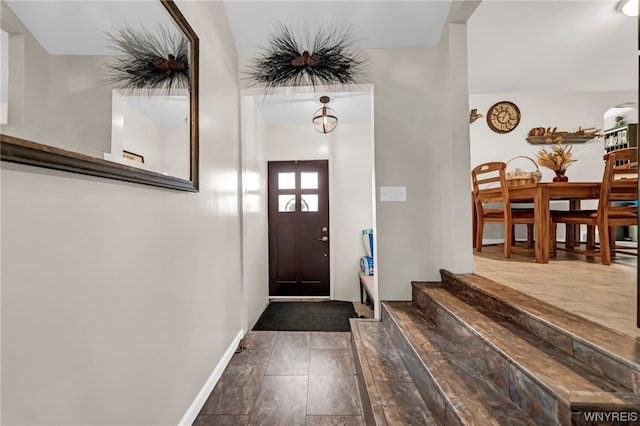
<point x="332" y="315"/>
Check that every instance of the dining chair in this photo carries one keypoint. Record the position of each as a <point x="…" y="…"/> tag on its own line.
<point x="490" y="187"/>
<point x="619" y="164"/>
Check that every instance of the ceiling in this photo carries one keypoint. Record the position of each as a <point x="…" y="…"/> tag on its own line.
<point x="79" y="27"/>
<point x="377" y="24"/>
<point x="514" y="46"/>
<point x="551" y="46"/>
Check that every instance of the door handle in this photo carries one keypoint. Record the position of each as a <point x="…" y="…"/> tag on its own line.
<point x="324" y="238"/>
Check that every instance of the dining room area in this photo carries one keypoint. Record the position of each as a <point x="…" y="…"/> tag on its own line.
<point x="569" y="242"/>
<point x="550" y="86"/>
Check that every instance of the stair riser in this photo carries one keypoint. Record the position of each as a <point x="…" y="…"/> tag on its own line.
<point x="463" y="291"/>
<point x="581" y="351"/>
<point x="529" y="396"/>
<point x="426" y="305"/>
<point x="428" y="389"/>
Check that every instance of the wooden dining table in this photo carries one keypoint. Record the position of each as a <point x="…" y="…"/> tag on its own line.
<point x="542" y="193"/>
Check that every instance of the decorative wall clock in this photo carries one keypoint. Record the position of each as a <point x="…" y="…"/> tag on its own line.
<point x="503" y="117"/>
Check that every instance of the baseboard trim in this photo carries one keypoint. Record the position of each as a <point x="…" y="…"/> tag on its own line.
<point x="195" y="407"/>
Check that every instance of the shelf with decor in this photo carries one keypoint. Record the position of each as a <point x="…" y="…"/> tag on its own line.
<point x="542" y="140"/>
<point x="547" y="136"/>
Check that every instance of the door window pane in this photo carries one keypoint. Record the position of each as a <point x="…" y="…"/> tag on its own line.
<point x="309" y="202"/>
<point x="286" y="180"/>
<point x="309" y="180"/>
<point x="286" y="203"/>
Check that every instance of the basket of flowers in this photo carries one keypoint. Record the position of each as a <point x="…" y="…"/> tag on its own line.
<point x="520" y="177"/>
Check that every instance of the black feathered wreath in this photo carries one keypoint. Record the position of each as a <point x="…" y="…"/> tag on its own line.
<point x="326" y="61"/>
<point x="149" y="61"/>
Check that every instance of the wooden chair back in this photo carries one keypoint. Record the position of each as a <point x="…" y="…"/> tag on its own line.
<point x="626" y="161"/>
<point x="490" y="186"/>
<point x="621" y="164"/>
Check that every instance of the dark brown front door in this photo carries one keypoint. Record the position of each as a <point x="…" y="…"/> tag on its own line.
<point x="298" y="228"/>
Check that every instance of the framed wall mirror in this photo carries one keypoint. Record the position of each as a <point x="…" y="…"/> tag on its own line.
<point x="71" y="98"/>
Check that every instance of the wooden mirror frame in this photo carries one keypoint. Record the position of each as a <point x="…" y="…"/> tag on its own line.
<point x="22" y="151"/>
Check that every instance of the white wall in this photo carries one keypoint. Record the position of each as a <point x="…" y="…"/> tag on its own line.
<point x="255" y="246"/>
<point x="453" y="143"/>
<point x="352" y="204"/>
<point x="408" y="233"/>
<point x="175" y="150"/>
<point x="418" y="145"/>
<point x="119" y="300"/>
<point x="566" y="111"/>
<point x="141" y="135"/>
<point x="349" y="150"/>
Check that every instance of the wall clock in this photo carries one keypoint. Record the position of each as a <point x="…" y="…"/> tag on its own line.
<point x="503" y="117"/>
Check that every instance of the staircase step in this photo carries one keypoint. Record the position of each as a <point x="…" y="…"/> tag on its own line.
<point x="389" y="395"/>
<point x="611" y="353"/>
<point x="455" y="390"/>
<point x="547" y="383"/>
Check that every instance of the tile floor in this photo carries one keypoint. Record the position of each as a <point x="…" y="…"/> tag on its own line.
<point x="287" y="378"/>
<point x="308" y="378"/>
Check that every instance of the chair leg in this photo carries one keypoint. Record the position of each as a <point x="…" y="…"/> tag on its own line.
<point x="474" y="221"/>
<point x="530" y="241"/>
<point x="605" y="248"/>
<point x="612" y="240"/>
<point x="569" y="240"/>
<point x="479" y="232"/>
<point x="591" y="238"/>
<point x="508" y="237"/>
<point x="552" y="239"/>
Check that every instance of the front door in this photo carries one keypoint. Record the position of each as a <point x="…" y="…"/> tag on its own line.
<point x="298" y="228"/>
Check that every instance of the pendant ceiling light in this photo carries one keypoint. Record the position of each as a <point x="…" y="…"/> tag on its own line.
<point x="324" y="119"/>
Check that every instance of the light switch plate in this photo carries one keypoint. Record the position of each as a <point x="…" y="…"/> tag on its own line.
<point x="393" y="193"/>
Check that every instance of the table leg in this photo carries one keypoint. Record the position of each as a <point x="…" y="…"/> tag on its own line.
<point x="542" y="224"/>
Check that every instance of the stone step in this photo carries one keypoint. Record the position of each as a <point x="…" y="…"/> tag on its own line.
<point x="456" y="391"/>
<point x="545" y="382"/>
<point x="613" y="354"/>
<point x="388" y="394"/>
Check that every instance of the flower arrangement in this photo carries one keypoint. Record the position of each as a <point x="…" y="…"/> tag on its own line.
<point x="558" y="158"/>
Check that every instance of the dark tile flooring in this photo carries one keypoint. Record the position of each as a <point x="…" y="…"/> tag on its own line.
<point x="287" y="378"/>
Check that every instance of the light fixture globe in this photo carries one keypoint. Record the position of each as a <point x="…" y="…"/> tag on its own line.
<point x="325" y="120"/>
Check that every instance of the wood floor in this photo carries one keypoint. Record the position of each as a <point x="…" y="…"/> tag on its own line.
<point x="583" y="286"/>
